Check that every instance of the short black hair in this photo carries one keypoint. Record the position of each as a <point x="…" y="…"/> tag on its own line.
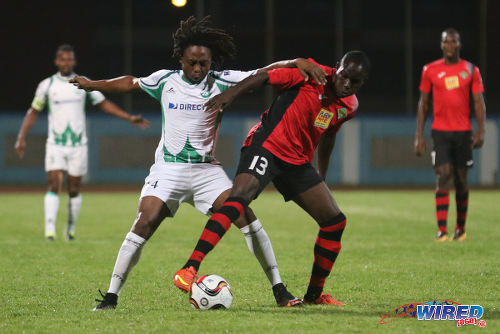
<point x="202" y="33"/>
<point x="451" y="31"/>
<point x="64" y="48"/>
<point x="359" y="58"/>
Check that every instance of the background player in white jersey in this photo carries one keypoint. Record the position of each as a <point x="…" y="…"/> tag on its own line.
<point x="66" y="148"/>
<point x="185" y="169"/>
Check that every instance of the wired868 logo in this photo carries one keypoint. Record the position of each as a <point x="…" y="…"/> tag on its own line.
<point x="462" y="314"/>
<point x="438" y="310"/>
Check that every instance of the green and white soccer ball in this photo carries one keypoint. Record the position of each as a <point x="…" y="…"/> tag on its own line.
<point x="210" y="292"/>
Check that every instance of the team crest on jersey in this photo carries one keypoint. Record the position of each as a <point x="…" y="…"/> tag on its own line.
<point x="341" y="113"/>
<point x="323" y="119"/>
<point x="206" y="94"/>
<point x="464" y="74"/>
<point x="451" y="82"/>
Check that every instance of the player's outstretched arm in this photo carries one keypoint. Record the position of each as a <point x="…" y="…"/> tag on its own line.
<point x="480" y="109"/>
<point x="125" y="84"/>
<point x="325" y="149"/>
<point x="308" y="69"/>
<point x="223" y="100"/>
<point x="109" y="107"/>
<point x="423" y="110"/>
<point x="28" y="122"/>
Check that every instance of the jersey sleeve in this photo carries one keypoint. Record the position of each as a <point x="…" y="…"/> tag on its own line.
<point x="283" y="78"/>
<point x="153" y="84"/>
<point x="40" y="99"/>
<point x="477" y="81"/>
<point x="229" y="78"/>
<point x="425" y="81"/>
<point x="96" y="97"/>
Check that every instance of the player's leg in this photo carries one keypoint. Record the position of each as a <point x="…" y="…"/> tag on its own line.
<point x="55" y="165"/>
<point x="74" y="204"/>
<point x="320" y="205"/>
<point x="77" y="158"/>
<point x="462" y="157"/>
<point x="253" y="174"/>
<point x="51" y="202"/>
<point x="444" y="173"/>
<point x="152" y="211"/>
<point x="260" y="246"/>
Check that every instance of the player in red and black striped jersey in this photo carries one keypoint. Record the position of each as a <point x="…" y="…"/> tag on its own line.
<point x="451" y="79"/>
<point x="303" y="116"/>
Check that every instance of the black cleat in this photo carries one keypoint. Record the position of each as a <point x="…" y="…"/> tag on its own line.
<point x="50" y="238"/>
<point x="442" y="236"/>
<point x="459" y="235"/>
<point x="108" y="302"/>
<point x="285" y="298"/>
<point x="70" y="237"/>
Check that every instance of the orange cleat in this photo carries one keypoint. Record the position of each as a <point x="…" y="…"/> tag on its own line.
<point x="184" y="277"/>
<point x="324" y="299"/>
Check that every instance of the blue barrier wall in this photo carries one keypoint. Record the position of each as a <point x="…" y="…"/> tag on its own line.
<point x="121" y="153"/>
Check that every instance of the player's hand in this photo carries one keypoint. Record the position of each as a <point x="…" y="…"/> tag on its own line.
<point x="478" y="140"/>
<point x="311" y="71"/>
<point x="219" y="102"/>
<point x="82" y="83"/>
<point x="19" y="147"/>
<point x="139" y="121"/>
<point x="419" y="147"/>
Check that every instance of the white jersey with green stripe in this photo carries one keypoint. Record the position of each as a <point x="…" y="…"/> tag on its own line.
<point x="189" y="133"/>
<point x="66" y="108"/>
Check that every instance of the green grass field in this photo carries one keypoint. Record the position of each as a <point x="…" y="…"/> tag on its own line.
<point x="388" y="259"/>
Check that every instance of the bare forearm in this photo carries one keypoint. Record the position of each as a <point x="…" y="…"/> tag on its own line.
<point x="325" y="149"/>
<point x="421" y="118"/>
<point x="28" y="122"/>
<point x="249" y="84"/>
<point x="123" y="84"/>
<point x="112" y="109"/>
<point x="480" y="109"/>
<point x="280" y="64"/>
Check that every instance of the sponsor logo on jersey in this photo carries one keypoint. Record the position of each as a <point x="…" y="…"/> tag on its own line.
<point x="225" y="73"/>
<point x="323" y="119"/>
<point x="67" y="101"/>
<point x="464" y="74"/>
<point x="451" y="82"/>
<point x="341" y="113"/>
<point x="441" y="74"/>
<point x="170" y="90"/>
<point x="185" y="106"/>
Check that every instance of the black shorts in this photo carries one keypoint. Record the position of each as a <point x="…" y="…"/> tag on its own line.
<point x="454" y="147"/>
<point x="290" y="180"/>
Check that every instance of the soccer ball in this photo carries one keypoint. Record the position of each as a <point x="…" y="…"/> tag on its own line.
<point x="211" y="292"/>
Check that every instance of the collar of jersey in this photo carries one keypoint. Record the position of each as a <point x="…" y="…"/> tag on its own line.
<point x="186" y="80"/>
<point x="63" y="78"/>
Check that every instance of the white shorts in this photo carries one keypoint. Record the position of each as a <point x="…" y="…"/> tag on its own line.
<point x="70" y="159"/>
<point x="198" y="184"/>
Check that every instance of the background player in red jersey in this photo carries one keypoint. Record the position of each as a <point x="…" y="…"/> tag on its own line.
<point x="451" y="79"/>
<point x="303" y="116"/>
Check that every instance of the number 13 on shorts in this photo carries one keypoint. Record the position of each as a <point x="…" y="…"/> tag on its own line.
<point x="259" y="164"/>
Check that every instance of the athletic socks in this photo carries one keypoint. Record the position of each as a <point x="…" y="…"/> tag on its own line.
<point x="442" y="203"/>
<point x="127" y="258"/>
<point x="215" y="229"/>
<point x="74" y="205"/>
<point x="326" y="250"/>
<point x="51" y="206"/>
<point x="259" y="245"/>
<point x="462" y="200"/>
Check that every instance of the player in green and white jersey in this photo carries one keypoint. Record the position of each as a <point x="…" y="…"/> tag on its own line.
<point x="66" y="147"/>
<point x="185" y="169"/>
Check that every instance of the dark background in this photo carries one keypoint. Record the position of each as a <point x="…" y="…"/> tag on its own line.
<point x="32" y="30"/>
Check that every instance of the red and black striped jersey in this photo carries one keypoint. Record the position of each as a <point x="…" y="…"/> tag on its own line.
<point x="299" y="115"/>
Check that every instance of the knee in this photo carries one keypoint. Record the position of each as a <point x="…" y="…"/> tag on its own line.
<point x="144" y="225"/>
<point x="73" y="193"/>
<point x="332" y="220"/>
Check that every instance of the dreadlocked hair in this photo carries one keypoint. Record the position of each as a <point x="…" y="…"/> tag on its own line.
<point x="193" y="32"/>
